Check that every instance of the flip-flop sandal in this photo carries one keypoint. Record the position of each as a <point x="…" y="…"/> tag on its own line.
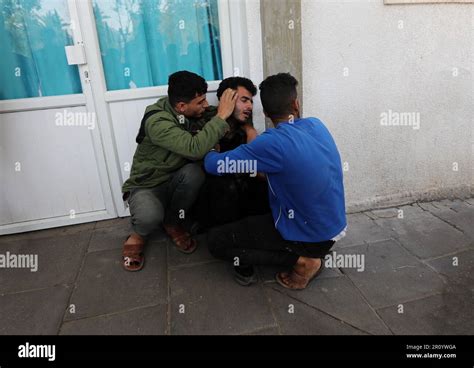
<point x="301" y="281"/>
<point x="132" y="255"/>
<point x="185" y="244"/>
<point x="182" y="239"/>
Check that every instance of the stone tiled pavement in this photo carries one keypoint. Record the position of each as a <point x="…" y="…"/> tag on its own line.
<point x="418" y="279"/>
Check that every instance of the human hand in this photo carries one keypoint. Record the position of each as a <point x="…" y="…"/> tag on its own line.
<point x="227" y="103"/>
<point x="250" y="131"/>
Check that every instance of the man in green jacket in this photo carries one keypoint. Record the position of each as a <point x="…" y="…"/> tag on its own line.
<point x="175" y="134"/>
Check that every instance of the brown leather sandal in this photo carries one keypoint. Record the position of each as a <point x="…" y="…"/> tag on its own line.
<point x="181" y="238"/>
<point x="299" y="282"/>
<point x="132" y="254"/>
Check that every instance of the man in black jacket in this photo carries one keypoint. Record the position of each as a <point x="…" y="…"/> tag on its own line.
<point x="230" y="197"/>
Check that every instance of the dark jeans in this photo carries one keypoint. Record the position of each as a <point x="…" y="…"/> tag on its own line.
<point x="255" y="241"/>
<point x="168" y="202"/>
<point x="229" y="198"/>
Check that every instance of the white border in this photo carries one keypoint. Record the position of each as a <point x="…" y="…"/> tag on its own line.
<point x="92" y="106"/>
<point x="42" y="103"/>
<point x="48" y="223"/>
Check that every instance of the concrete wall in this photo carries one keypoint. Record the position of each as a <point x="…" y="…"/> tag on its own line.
<point x="403" y="58"/>
<point x="255" y="55"/>
<point x="281" y="37"/>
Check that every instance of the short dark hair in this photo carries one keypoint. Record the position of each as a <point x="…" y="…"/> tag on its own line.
<point x="277" y="92"/>
<point x="233" y="83"/>
<point x="183" y="86"/>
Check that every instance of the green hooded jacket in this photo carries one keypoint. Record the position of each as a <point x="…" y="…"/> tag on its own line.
<point x="170" y="141"/>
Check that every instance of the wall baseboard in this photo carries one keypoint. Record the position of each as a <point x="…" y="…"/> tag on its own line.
<point x="404" y="198"/>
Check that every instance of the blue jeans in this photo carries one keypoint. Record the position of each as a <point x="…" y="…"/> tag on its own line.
<point x="168" y="202"/>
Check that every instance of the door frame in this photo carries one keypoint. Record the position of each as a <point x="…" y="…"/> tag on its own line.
<point x="91" y="103"/>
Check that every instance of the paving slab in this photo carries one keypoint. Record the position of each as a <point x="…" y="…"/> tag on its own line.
<point x="423" y="262"/>
<point x="446" y="314"/>
<point x="423" y="234"/>
<point x="383" y="213"/>
<point x="469" y="200"/>
<point x="141" y="321"/>
<point x="270" y="331"/>
<point x="360" y="229"/>
<point x="116" y="222"/>
<point x="391" y="275"/>
<point x="109" y="237"/>
<point x="457" y="205"/>
<point x="58" y="261"/>
<point x="458" y="267"/>
<point x="296" y="318"/>
<point x="158" y="236"/>
<point x="206" y="300"/>
<point x="38" y="312"/>
<point x="338" y="297"/>
<point x="104" y="287"/>
<point x="180" y="259"/>
<point x="49" y="233"/>
<point x="111" y="234"/>
<point x="457" y="213"/>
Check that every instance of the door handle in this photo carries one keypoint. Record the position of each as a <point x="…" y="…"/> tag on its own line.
<point x="75" y="54"/>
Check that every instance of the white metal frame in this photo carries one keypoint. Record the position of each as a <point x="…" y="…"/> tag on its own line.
<point x="146" y="92"/>
<point x="41" y="103"/>
<point x="97" y="135"/>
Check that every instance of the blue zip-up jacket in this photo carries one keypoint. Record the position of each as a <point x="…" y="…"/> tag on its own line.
<point x="304" y="175"/>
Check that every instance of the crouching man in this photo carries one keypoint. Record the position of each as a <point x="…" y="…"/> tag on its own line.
<point x="175" y="133"/>
<point x="231" y="197"/>
<point x="306" y="193"/>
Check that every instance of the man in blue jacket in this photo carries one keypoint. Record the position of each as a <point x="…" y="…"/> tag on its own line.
<point x="306" y="193"/>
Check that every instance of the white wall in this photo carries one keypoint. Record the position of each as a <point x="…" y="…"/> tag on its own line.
<point x="408" y="69"/>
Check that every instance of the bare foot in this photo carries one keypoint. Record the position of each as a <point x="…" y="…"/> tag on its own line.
<point x="303" y="272"/>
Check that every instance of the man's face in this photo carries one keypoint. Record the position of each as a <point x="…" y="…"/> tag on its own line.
<point x="244" y="106"/>
<point x="194" y="108"/>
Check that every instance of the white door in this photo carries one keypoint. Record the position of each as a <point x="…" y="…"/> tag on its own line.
<point x="52" y="164"/>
